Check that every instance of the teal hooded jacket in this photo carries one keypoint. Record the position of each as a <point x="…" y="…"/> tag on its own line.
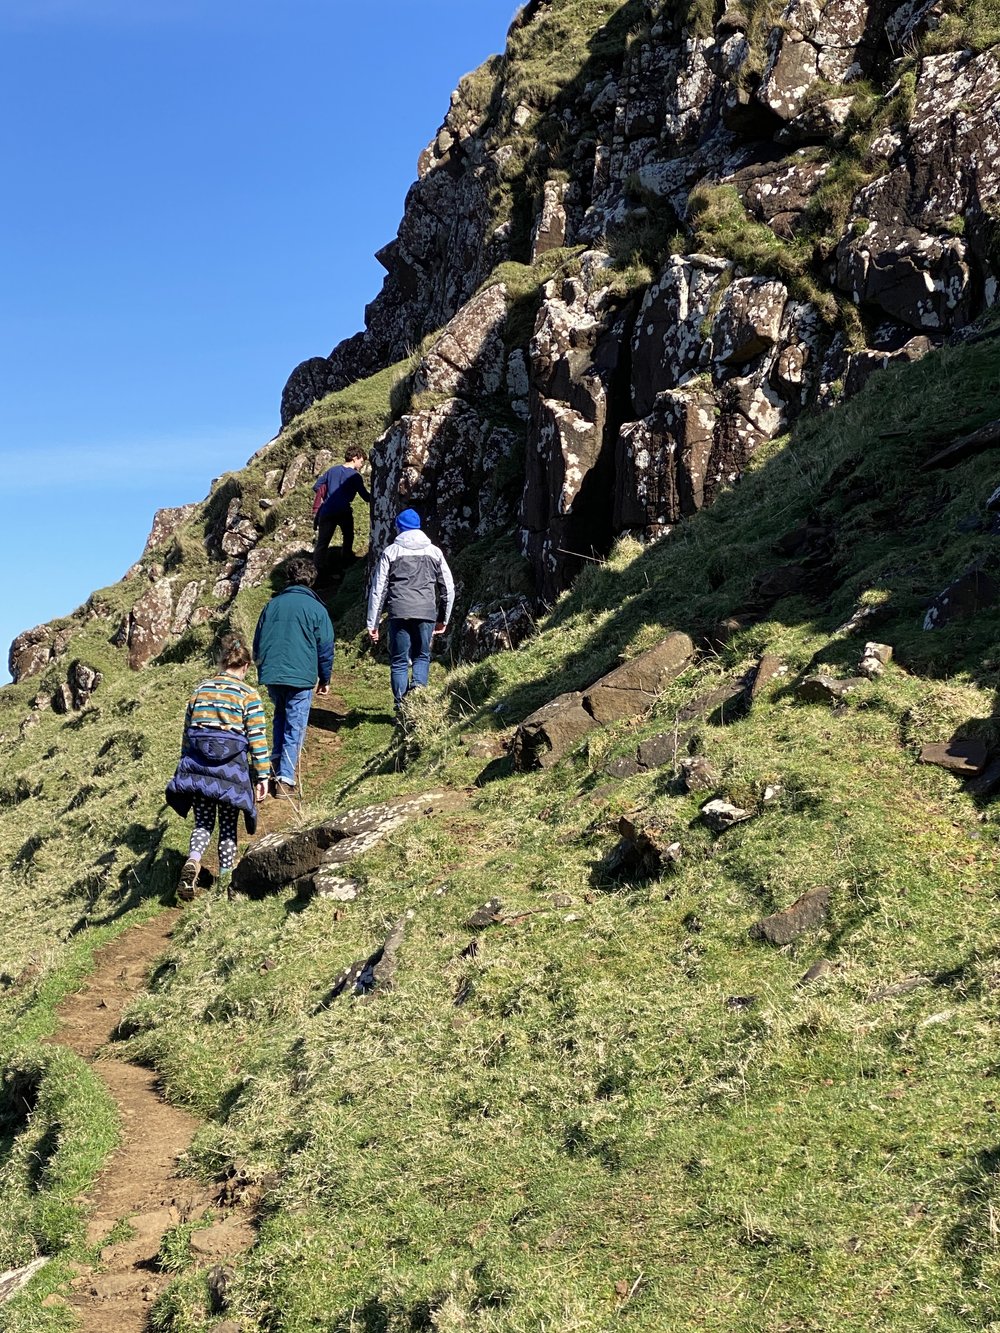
<point x="293" y="642"/>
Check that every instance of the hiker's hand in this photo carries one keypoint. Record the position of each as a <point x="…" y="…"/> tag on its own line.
<point x="440" y="627"/>
<point x="261" y="790"/>
<point x="323" y="689"/>
<point x="373" y="635"/>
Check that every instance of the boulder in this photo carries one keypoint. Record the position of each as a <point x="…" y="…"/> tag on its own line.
<point x="720" y="815"/>
<point x="551" y="732"/>
<point x="165" y="524"/>
<point x="634" y="687"/>
<point x="874" y="660"/>
<point x="376" y="972"/>
<point x="33" y="650"/>
<point x="668" y="341"/>
<point x="749" y="319"/>
<point x="661" y="462"/>
<point x="976" y="589"/>
<point x="821" y="688"/>
<point x="149" y="623"/>
<point x="62" y="699"/>
<point x="500" y="631"/>
<point x="660" y="750"/>
<point x="292" y="473"/>
<point x="642" y="852"/>
<point x="187" y="600"/>
<point x="284" y="858"/>
<point x="966" y="758"/>
<point x="551" y="225"/>
<point x="769" y="667"/>
<point x="624" y="766"/>
<point x="467" y="360"/>
<point x="807" y="912"/>
<point x="83" y="680"/>
<point x="698" y="773"/>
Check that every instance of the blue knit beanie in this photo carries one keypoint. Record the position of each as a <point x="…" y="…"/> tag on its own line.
<point x="407" y="521"/>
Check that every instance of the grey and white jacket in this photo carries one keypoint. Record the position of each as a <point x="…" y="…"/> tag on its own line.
<point x="412" y="581"/>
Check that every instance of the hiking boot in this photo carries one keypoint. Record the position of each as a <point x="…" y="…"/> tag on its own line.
<point x="224" y="885"/>
<point x="186" y="883"/>
<point x="280" y="788"/>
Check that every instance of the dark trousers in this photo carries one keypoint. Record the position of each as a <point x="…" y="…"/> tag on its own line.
<point x="326" y="527"/>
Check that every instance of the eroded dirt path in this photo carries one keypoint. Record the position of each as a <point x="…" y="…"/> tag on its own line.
<point x="140" y="1194"/>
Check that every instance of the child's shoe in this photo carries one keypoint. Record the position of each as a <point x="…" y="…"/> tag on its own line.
<point x="186" y="883"/>
<point x="224" y="885"/>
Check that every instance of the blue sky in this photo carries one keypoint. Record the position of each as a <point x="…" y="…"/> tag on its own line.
<point x="194" y="190"/>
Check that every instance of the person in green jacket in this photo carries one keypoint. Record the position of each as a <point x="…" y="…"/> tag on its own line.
<point x="292" y="647"/>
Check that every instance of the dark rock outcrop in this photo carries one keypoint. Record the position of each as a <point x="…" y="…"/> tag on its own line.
<point x="806" y="913"/>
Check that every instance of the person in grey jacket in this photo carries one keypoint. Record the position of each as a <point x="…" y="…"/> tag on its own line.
<point x="414" y="584"/>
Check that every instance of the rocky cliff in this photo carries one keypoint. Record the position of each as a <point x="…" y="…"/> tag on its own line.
<point x="644" y="241"/>
<point x="719" y="217"/>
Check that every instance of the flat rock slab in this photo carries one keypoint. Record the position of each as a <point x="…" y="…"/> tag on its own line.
<point x="658" y="751"/>
<point x="820" y="969"/>
<point x="769" y="666"/>
<point x="282" y="858"/>
<point x="821" y="688"/>
<point x="698" y="773"/>
<point x="726" y="703"/>
<point x="966" y="758"/>
<point x="551" y="732"/>
<point x="804" y="914"/>
<point x="632" y="688"/>
<point x="228" y="1237"/>
<point x="14" y="1279"/>
<point x="720" y="815"/>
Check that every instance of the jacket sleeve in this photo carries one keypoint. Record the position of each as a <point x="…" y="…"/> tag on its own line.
<point x="324" y="648"/>
<point x="364" y="492"/>
<point x="256" y="636"/>
<point x="379" y="590"/>
<point x="255" y="728"/>
<point x="319" y="496"/>
<point x="445" y="585"/>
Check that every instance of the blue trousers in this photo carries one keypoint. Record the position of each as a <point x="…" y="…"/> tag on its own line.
<point x="291" y="715"/>
<point x="409" y="643"/>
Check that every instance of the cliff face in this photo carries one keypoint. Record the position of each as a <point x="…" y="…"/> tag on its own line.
<point x="740" y="213"/>
<point x="644" y="241"/>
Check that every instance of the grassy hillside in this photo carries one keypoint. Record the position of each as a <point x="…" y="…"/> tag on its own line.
<point x="619" y="1111"/>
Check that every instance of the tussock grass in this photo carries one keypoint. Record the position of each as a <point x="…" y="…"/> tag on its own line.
<point x="619" y="1110"/>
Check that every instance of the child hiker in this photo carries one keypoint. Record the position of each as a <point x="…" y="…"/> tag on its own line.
<point x="223" y="765"/>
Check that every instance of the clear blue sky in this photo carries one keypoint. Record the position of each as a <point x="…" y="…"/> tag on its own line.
<point x="193" y="192"/>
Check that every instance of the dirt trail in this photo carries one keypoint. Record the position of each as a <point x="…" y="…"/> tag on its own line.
<point x="140" y="1183"/>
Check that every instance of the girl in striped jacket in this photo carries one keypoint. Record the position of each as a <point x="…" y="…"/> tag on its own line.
<point x="223" y="765"/>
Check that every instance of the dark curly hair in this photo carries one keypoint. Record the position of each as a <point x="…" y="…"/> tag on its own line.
<point x="300" y="572"/>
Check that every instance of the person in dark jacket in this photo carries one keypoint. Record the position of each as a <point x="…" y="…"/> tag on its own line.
<point x="223" y="763"/>
<point x="334" y="494"/>
<point x="413" y="582"/>
<point x="293" y="647"/>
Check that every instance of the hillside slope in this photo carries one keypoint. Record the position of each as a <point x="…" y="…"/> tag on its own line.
<point x="603" y="1101"/>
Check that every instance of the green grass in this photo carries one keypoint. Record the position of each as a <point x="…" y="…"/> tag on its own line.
<point x="580" y="1127"/>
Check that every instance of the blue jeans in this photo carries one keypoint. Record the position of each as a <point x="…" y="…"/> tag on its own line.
<point x="409" y="642"/>
<point x="291" y="715"/>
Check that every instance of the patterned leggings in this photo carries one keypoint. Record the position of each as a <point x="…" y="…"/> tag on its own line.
<point x="204" y="823"/>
